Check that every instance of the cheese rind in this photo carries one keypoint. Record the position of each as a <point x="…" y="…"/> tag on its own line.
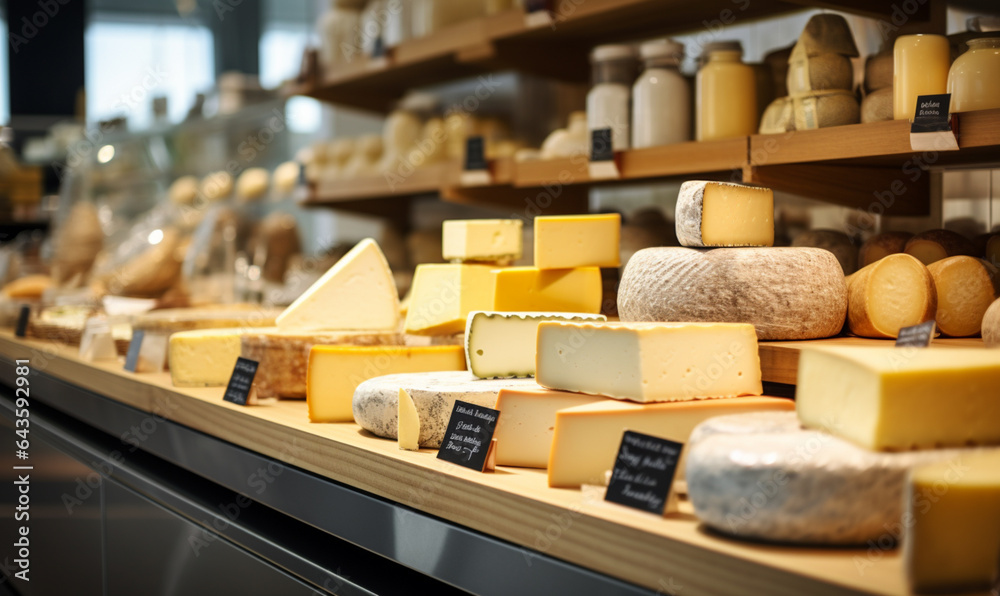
<point x="527" y="421"/>
<point x="358" y="292"/>
<point x="965" y="289"/>
<point x="567" y="241"/>
<point x="934" y="245"/>
<point x="894" y="399"/>
<point x="882" y="245"/>
<point x="586" y="438"/>
<point x="952" y="541"/>
<point x="204" y="357"/>
<point x="485" y="240"/>
<point x="442" y="296"/>
<point x="502" y="344"/>
<point x="894" y="292"/>
<point x="818" y="73"/>
<point x="649" y="362"/>
<point x="336" y="371"/>
<point x="786" y="293"/>
<point x="724" y="214"/>
<point x="409" y="423"/>
<point x="991" y="325"/>
<point x="520" y="289"/>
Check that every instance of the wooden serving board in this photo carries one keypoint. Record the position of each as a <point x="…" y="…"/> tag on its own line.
<point x="779" y="360"/>
<point x="514" y="504"/>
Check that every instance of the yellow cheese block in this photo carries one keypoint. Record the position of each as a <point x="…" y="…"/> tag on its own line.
<point x="527" y="420"/>
<point x="551" y="290"/>
<point x="890" y="399"/>
<point x="336" y="371"/>
<point x="724" y="214"/>
<point x="442" y="296"/>
<point x="483" y="240"/>
<point x="565" y="241"/>
<point x="952" y="539"/>
<point x="966" y="287"/>
<point x="408" y="431"/>
<point x="586" y="438"/>
<point x="203" y="357"/>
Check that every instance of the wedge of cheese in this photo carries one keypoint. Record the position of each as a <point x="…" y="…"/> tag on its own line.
<point x="357" y="293"/>
<point x="898" y="399"/>
<point x="952" y="539"/>
<point x="724" y="214"/>
<point x="894" y="292"/>
<point x="336" y="371"/>
<point x="481" y="240"/>
<point x="586" y="438"/>
<point x="567" y="241"/>
<point x="527" y="421"/>
<point x="203" y="357"/>
<point x="649" y="362"/>
<point x="442" y="296"/>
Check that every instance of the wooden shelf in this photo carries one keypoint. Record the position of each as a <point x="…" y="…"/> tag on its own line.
<point x="512" y="504"/>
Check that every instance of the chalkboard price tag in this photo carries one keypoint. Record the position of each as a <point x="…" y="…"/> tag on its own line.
<point x="644" y="472"/>
<point x="238" y="389"/>
<point x="916" y="336"/>
<point x="475" y="154"/>
<point x="469" y="435"/>
<point x="933" y="128"/>
<point x="602" y="155"/>
<point x="22" y="321"/>
<point x="134" y="347"/>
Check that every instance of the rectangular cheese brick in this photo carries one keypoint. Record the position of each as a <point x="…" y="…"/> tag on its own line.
<point x="527" y="421"/>
<point x="336" y="371"/>
<point x="483" y="240"/>
<point x="203" y="357"/>
<point x="442" y="296"/>
<point x="900" y="399"/>
<point x="649" y="362"/>
<point x="587" y="438"/>
<point x="566" y="241"/>
<point x="533" y="289"/>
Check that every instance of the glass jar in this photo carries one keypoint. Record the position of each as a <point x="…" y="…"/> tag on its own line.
<point x="661" y="97"/>
<point x="974" y="78"/>
<point x="609" y="99"/>
<point x="338" y="32"/>
<point x="920" y="67"/>
<point x="726" y="97"/>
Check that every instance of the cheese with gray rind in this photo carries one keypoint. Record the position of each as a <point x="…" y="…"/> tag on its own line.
<point x="760" y="476"/>
<point x="786" y="293"/>
<point x="376" y="401"/>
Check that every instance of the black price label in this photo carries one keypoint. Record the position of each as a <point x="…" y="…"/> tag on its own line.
<point x="22" y="321"/>
<point x="238" y="389"/>
<point x="917" y="336"/>
<point x="601" y="148"/>
<point x="378" y="49"/>
<point x="475" y="154"/>
<point x="931" y="113"/>
<point x="644" y="472"/>
<point x="536" y="5"/>
<point x="468" y="436"/>
<point x="132" y="356"/>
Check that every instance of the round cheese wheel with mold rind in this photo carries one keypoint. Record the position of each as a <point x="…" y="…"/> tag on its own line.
<point x="761" y="476"/>
<point x="894" y="292"/>
<point x="818" y="73"/>
<point x="879" y="71"/>
<point x="822" y="109"/>
<point x="786" y="293"/>
<point x="376" y="401"/>
<point x="877" y="106"/>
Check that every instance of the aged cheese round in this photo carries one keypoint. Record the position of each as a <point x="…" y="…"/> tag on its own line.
<point x="216" y="186"/>
<point x="882" y="245"/>
<point x="877" y="106"/>
<point x="894" y="292"/>
<point x="836" y="242"/>
<point x="376" y="401"/>
<point x="878" y="71"/>
<point x="761" y="476"/>
<point x="991" y="325"/>
<point x="252" y="184"/>
<point x="286" y="177"/>
<point x="821" y="109"/>
<point x="820" y="72"/>
<point x="826" y="34"/>
<point x="934" y="245"/>
<point x="786" y="293"/>
<point x="778" y="117"/>
<point x="183" y="191"/>
<point x="966" y="287"/>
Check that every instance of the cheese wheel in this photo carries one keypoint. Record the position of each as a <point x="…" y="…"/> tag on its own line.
<point x="252" y="184"/>
<point x="894" y="292"/>
<point x="822" y="109"/>
<point x="879" y="71"/>
<point x="877" y="106"/>
<point x="882" y="245"/>
<point x="820" y="72"/>
<point x="965" y="290"/>
<point x="992" y="252"/>
<point x="28" y="287"/>
<point x="836" y="242"/>
<point x="991" y="325"/>
<point x="183" y="191"/>
<point x="934" y="245"/>
<point x="826" y="34"/>
<point x="778" y="117"/>
<point x="786" y="293"/>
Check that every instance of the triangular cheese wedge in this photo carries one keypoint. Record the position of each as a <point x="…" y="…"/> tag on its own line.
<point x="357" y="293"/>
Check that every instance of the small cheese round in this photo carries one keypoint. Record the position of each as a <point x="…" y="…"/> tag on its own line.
<point x="827" y="33"/>
<point x="991" y="325"/>
<point x="882" y="245"/>
<point x="183" y="190"/>
<point x="966" y="287"/>
<point x="822" y="109"/>
<point x="934" y="245"/>
<point x="894" y="292"/>
<point x="877" y="106"/>
<point x="839" y="243"/>
<point x="778" y="117"/>
<point x="252" y="184"/>
<point x="216" y="186"/>
<point x="820" y="72"/>
<point x="286" y="177"/>
<point x="786" y="293"/>
<point x="879" y="71"/>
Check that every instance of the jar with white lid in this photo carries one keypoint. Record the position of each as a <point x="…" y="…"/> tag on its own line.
<point x="609" y="99"/>
<point x="726" y="97"/>
<point x="661" y="97"/>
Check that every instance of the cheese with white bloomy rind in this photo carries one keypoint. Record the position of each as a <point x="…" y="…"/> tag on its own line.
<point x="357" y="293"/>
<point x="481" y="240"/>
<point x="568" y="241"/>
<point x="966" y="287"/>
<point x="336" y="371"/>
<point x="898" y="399"/>
<point x="649" y="362"/>
<point x="952" y="541"/>
<point x="785" y="293"/>
<point x="724" y="214"/>
<point x="586" y="438"/>
<point x="376" y="406"/>
<point x="894" y="292"/>
<point x="203" y="357"/>
<point x="761" y="476"/>
<point x="527" y="422"/>
<point x="443" y="295"/>
<point x="502" y="344"/>
<point x="409" y="423"/>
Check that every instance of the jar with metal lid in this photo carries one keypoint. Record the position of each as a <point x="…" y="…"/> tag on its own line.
<point x="608" y="101"/>
<point x="974" y="78"/>
<point x="726" y="97"/>
<point x="661" y="97"/>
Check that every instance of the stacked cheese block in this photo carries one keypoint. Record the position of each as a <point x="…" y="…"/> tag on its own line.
<point x="849" y="469"/>
<point x="820" y="80"/>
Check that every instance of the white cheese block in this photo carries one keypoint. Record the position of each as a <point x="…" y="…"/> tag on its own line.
<point x="203" y="357"/>
<point x="409" y="423"/>
<point x="786" y="293"/>
<point x="760" y="476"/>
<point x="724" y="214"/>
<point x="502" y="344"/>
<point x="358" y="292"/>
<point x="527" y="421"/>
<point x="482" y="240"/>
<point x="649" y="362"/>
<point x="376" y="401"/>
